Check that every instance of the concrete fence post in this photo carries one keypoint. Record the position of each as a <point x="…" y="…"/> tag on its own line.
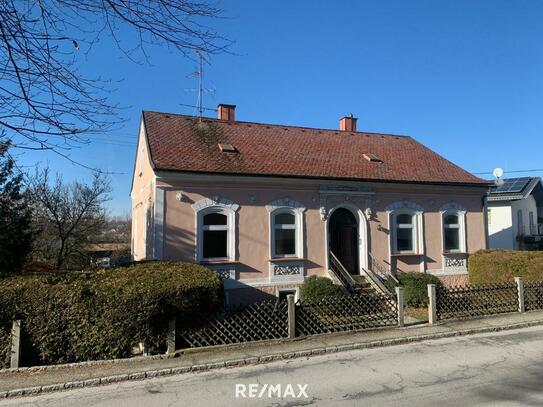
<point x="432" y="311"/>
<point x="520" y="290"/>
<point x="399" y="300"/>
<point x="291" y="316"/>
<point x="170" y="341"/>
<point x="15" y="344"/>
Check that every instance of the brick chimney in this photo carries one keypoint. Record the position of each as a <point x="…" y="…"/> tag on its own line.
<point x="348" y="123"/>
<point x="226" y="112"/>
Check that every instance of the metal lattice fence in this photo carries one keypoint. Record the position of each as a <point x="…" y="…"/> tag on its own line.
<point x="255" y="322"/>
<point x="470" y="301"/>
<point x="533" y="295"/>
<point x="336" y="314"/>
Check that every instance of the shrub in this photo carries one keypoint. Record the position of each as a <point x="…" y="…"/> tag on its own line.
<point x="72" y="317"/>
<point x="501" y="266"/>
<point x="315" y="288"/>
<point x="415" y="287"/>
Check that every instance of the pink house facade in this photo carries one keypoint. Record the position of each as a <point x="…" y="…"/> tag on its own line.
<point x="265" y="205"/>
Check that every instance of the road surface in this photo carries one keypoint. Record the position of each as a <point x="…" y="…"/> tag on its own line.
<point x="497" y="369"/>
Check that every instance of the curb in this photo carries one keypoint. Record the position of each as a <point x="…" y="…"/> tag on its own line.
<point x="32" y="391"/>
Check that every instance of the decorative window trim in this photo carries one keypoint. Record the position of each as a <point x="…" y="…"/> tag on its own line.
<point x="227" y="273"/>
<point x="287" y="205"/>
<point x="216" y="205"/>
<point x="462" y="230"/>
<point x="416" y="211"/>
<point x="287" y="271"/>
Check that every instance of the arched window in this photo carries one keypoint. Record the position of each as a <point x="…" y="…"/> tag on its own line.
<point x="406" y="227"/>
<point x="454" y="228"/>
<point x="286" y="228"/>
<point x="405" y="233"/>
<point x="284" y="241"/>
<point x="215" y="236"/>
<point x="451" y="233"/>
<point x="215" y="231"/>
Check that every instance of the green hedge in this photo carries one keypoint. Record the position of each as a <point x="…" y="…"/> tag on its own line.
<point x="415" y="285"/>
<point x="73" y="317"/>
<point x="501" y="266"/>
<point x="315" y="288"/>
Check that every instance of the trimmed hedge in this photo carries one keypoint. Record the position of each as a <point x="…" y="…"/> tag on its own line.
<point x="72" y="317"/>
<point x="315" y="288"/>
<point x="501" y="266"/>
<point x="415" y="285"/>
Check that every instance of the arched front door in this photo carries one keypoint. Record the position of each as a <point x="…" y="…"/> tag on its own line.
<point x="343" y="238"/>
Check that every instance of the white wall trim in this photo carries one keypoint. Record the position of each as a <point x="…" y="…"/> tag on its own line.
<point x="216" y="201"/>
<point x="285" y="203"/>
<point x="404" y="205"/>
<point x="216" y="205"/>
<point x="441" y="272"/>
<point x="452" y="207"/>
<point x="158" y="246"/>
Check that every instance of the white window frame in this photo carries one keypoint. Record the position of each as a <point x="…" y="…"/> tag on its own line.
<point x="216" y="205"/>
<point x="461" y="231"/>
<point x="298" y="238"/>
<point x="416" y="231"/>
<point x="408" y="208"/>
<point x="295" y="208"/>
<point x="229" y="228"/>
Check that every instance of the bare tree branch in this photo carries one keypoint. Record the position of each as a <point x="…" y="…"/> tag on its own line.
<point x="45" y="100"/>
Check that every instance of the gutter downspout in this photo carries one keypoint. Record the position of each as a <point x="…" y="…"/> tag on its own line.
<point x="485" y="217"/>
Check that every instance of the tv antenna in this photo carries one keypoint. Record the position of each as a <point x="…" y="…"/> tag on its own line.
<point x="199" y="73"/>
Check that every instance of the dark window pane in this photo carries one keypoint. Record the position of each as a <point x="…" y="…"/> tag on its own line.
<point x="215" y="243"/>
<point x="283" y="294"/>
<point x="215" y="219"/>
<point x="285" y="242"/>
<point x="452" y="239"/>
<point x="284" y="219"/>
<point x="404" y="239"/>
<point x="451" y="220"/>
<point x="404" y="219"/>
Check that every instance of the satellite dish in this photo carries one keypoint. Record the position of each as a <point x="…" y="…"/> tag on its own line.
<point x="499" y="182"/>
<point x="498" y="172"/>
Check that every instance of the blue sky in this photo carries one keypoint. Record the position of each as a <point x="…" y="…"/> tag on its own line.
<point x="463" y="77"/>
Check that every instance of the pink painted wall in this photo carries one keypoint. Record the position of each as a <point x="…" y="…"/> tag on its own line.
<point x="253" y="235"/>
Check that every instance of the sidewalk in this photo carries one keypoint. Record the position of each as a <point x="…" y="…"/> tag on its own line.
<point x="45" y="379"/>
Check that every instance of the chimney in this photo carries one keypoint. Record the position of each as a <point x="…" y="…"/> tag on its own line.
<point x="348" y="123"/>
<point x="226" y="112"/>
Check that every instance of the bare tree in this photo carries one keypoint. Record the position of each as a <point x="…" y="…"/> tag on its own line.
<point x="67" y="217"/>
<point x="45" y="100"/>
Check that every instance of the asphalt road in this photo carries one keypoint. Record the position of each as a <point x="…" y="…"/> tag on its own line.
<point x="498" y="369"/>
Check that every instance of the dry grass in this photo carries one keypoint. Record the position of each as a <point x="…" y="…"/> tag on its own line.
<point x="420" y="313"/>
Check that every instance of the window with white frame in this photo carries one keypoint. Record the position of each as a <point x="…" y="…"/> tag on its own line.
<point x="286" y="228"/>
<point x="284" y="234"/>
<point x="214" y="232"/>
<point x="453" y="219"/>
<point x="405" y="236"/>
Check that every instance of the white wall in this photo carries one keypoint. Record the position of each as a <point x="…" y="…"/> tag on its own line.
<point x="500" y="226"/>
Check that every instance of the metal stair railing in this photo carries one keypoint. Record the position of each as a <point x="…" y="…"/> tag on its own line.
<point x="380" y="270"/>
<point x="341" y="273"/>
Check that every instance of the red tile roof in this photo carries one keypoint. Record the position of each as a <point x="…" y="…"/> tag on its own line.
<point x="183" y="143"/>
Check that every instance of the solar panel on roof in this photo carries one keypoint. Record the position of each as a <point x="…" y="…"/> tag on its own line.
<point x="512" y="185"/>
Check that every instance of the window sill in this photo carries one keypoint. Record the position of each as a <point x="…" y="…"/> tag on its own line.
<point x="406" y="254"/>
<point x="285" y="259"/>
<point x="453" y="253"/>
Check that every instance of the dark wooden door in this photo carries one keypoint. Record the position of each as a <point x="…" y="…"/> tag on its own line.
<point x="344" y="239"/>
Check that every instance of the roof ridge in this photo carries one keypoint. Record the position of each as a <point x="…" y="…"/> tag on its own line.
<point x="280" y="125"/>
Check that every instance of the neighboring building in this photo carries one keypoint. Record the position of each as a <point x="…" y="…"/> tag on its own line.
<point x="515" y="212"/>
<point x="264" y="204"/>
<point x="108" y="254"/>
